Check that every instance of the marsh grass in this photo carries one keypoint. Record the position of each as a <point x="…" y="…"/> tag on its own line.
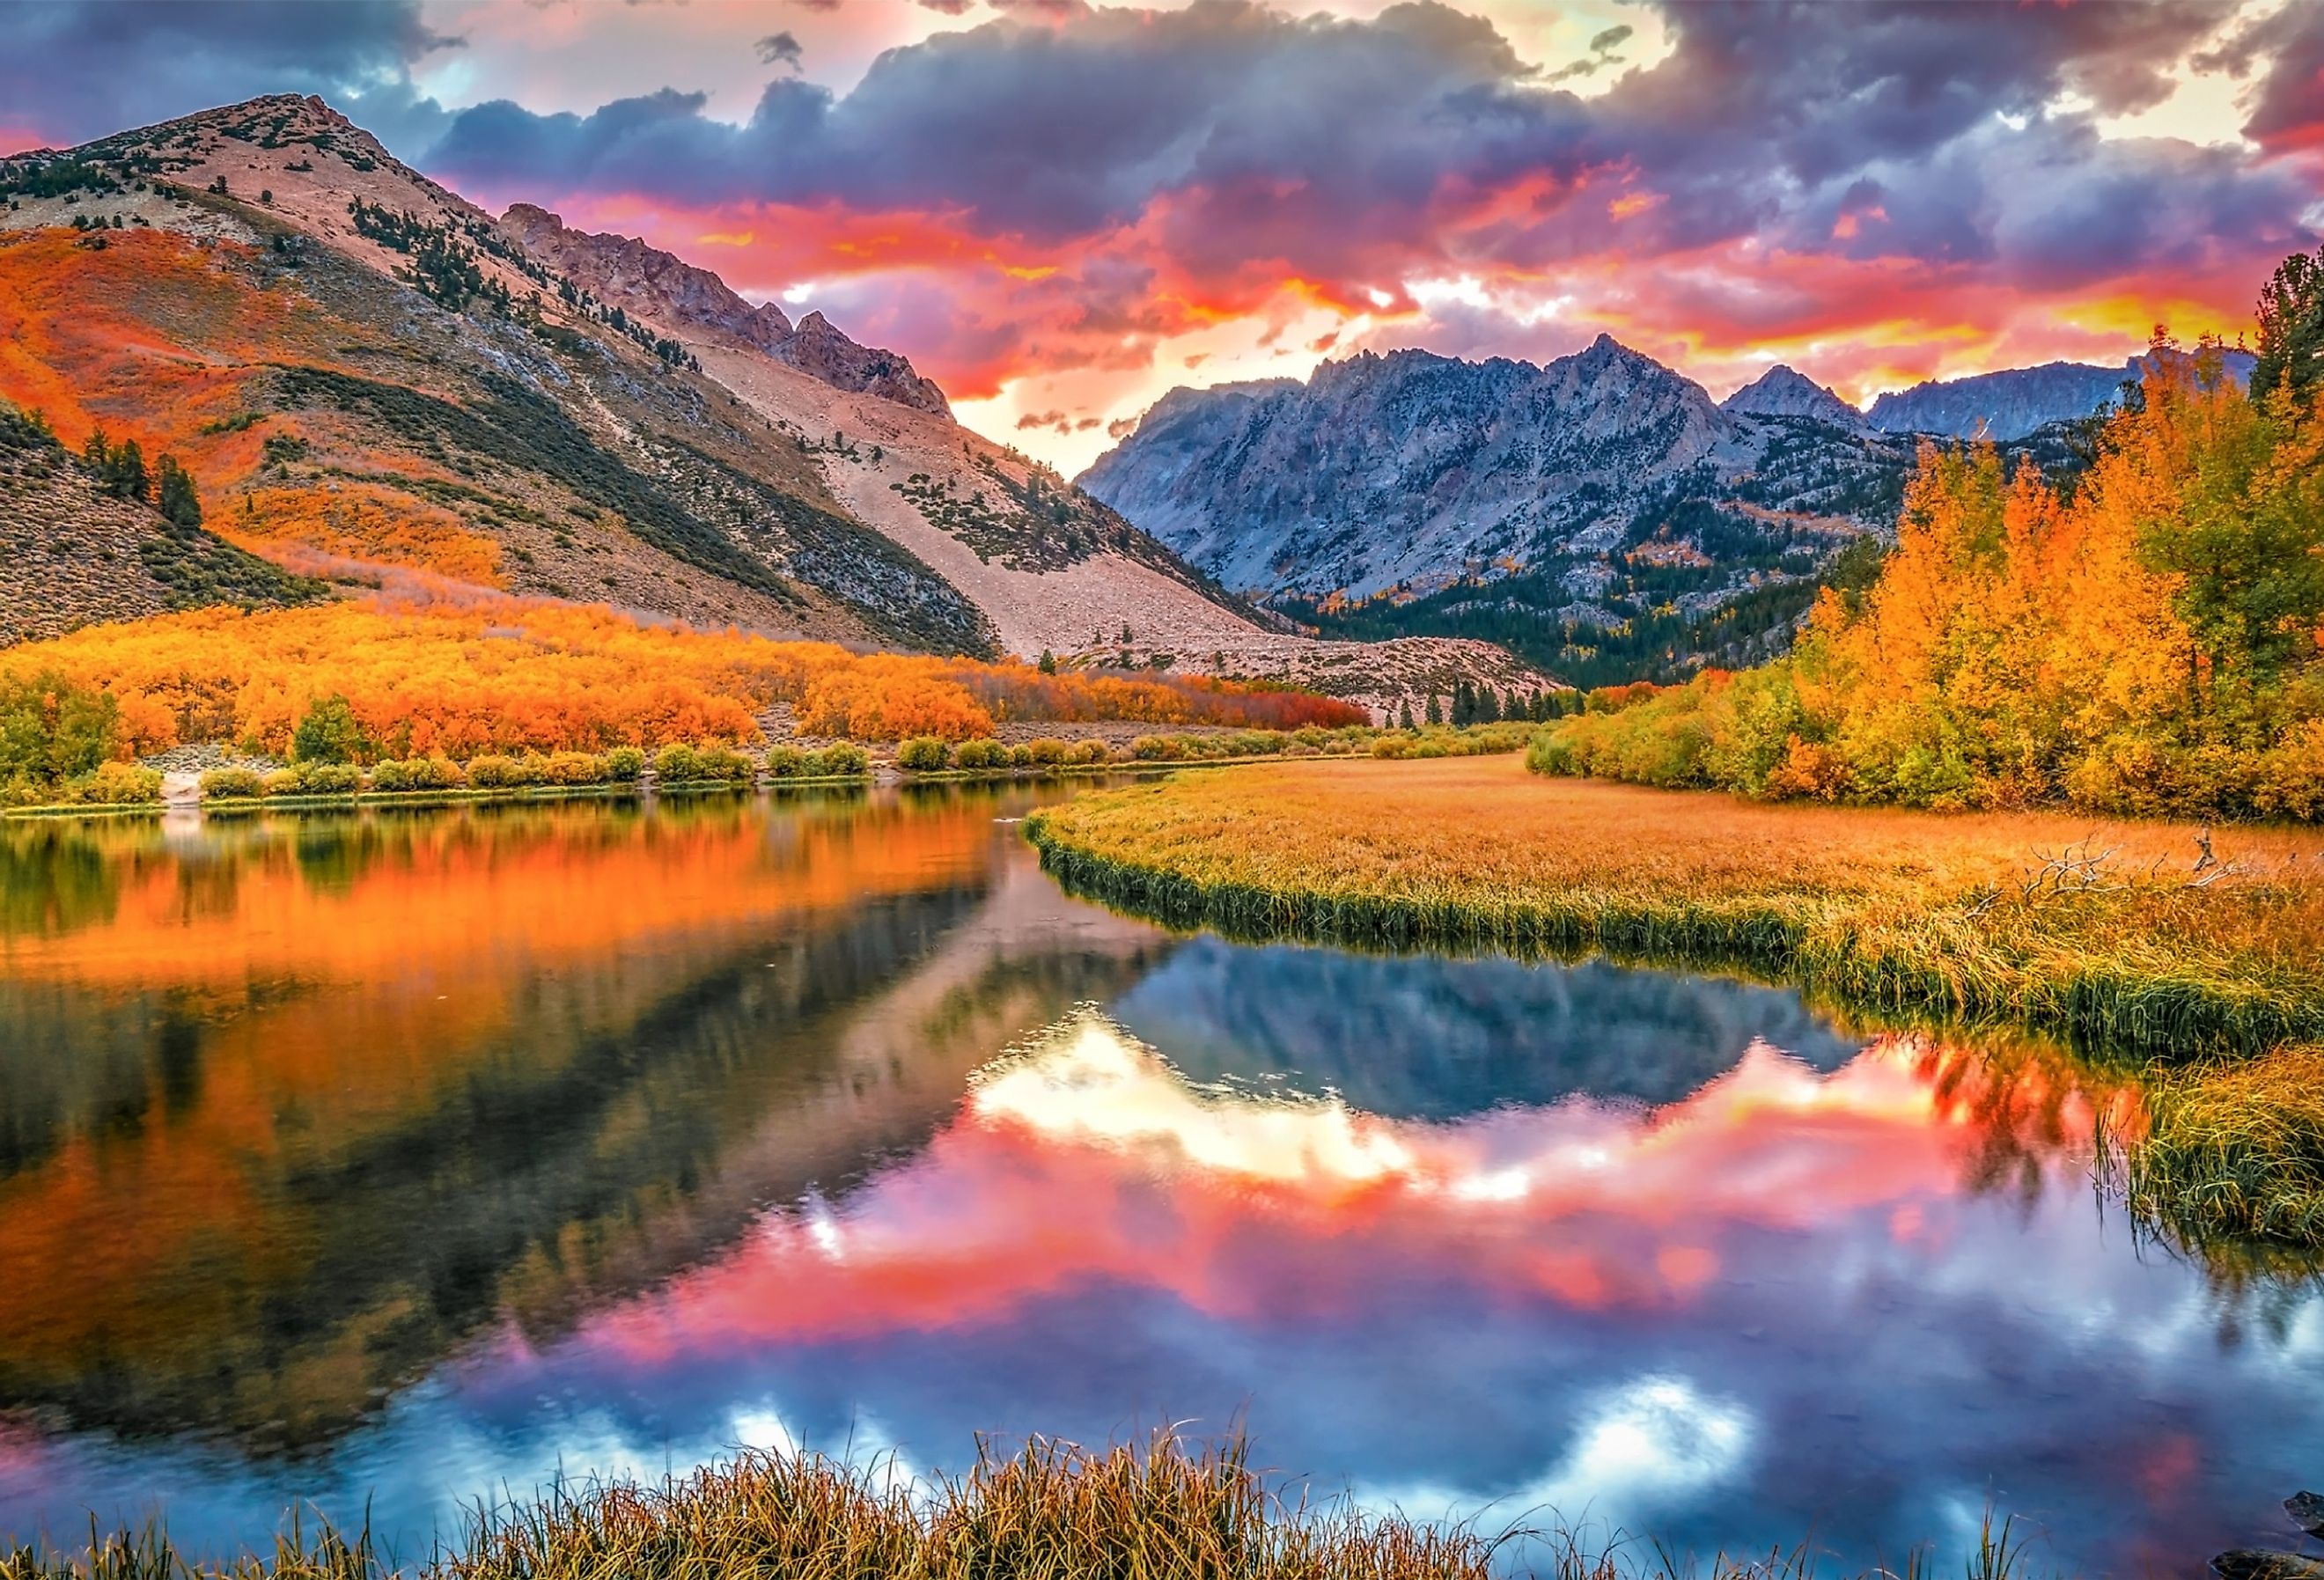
<point x="1903" y="914"/>
<point x="2235" y="1152"/>
<point x="1167" y="1510"/>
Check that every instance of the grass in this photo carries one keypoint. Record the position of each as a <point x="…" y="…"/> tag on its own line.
<point x="2119" y="939"/>
<point x="1051" y="1512"/>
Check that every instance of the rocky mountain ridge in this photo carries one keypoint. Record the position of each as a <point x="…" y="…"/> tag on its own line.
<point x="1409" y="472"/>
<point x="668" y="290"/>
<point x="2017" y="403"/>
<point x="1784" y="392"/>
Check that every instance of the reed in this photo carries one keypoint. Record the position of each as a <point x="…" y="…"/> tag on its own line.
<point x="1167" y="1510"/>
<point x="2235" y="1152"/>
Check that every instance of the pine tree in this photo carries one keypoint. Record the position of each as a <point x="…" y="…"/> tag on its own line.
<point x="1464" y="704"/>
<point x="174" y="494"/>
<point x="1435" y="713"/>
<point x="1404" y="715"/>
<point x="2292" y="326"/>
<point x="1048" y="664"/>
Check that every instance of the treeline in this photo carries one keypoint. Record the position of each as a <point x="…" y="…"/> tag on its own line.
<point x="506" y="675"/>
<point x="120" y="471"/>
<point x="2148" y="644"/>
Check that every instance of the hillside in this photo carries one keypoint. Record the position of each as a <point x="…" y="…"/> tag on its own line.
<point x="72" y="556"/>
<point x="375" y="381"/>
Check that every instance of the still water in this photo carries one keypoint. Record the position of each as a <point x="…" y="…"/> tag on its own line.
<point x="385" y="1162"/>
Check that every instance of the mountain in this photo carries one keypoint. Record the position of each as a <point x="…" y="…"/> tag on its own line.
<point x="377" y="382"/>
<point x="1595" y="489"/>
<point x="671" y="290"/>
<point x="2014" y="403"/>
<point x="1783" y="392"/>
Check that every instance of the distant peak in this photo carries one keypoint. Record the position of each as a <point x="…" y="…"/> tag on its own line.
<point x="1783" y="391"/>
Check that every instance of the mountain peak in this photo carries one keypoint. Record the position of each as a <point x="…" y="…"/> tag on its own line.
<point x="1783" y="391"/>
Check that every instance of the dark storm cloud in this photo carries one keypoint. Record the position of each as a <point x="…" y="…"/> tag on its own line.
<point x="1234" y="133"/>
<point x="79" y="71"/>
<point x="781" y="49"/>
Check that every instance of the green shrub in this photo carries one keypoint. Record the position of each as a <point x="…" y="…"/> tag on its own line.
<point x="328" y="778"/>
<point x="923" y="754"/>
<point x="841" y="759"/>
<point x="279" y="781"/>
<point x="120" y="784"/>
<point x="785" y="762"/>
<point x="1153" y="749"/>
<point x="494" y="771"/>
<point x="623" y="764"/>
<point x="1047" y="752"/>
<point x="722" y="765"/>
<point x="1020" y="755"/>
<point x="677" y="763"/>
<point x="984" y="753"/>
<point x="415" y="773"/>
<point x="1086" y="753"/>
<point x="573" y="768"/>
<point x="1255" y="743"/>
<point x="226" y="784"/>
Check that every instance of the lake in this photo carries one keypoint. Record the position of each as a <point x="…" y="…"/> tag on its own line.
<point x="387" y="1160"/>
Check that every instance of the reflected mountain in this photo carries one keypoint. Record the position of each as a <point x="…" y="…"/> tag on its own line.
<point x="1423" y="1037"/>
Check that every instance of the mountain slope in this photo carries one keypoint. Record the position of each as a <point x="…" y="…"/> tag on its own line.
<point x="2014" y="403"/>
<point x="72" y="556"/>
<point x="375" y="380"/>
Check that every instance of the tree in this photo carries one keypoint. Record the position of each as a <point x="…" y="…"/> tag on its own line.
<point x="2290" y="325"/>
<point x="1404" y="715"/>
<point x="1464" y="704"/>
<point x="51" y="731"/>
<point x="174" y="494"/>
<point x="328" y="733"/>
<point x="1435" y="713"/>
<point x="1048" y="664"/>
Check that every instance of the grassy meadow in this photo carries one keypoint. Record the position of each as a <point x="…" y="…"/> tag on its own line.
<point x="2199" y="954"/>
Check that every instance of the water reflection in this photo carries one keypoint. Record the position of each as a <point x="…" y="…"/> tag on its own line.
<point x="386" y="1160"/>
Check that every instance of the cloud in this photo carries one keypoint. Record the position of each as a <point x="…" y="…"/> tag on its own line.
<point x="781" y="49"/>
<point x="81" y="71"/>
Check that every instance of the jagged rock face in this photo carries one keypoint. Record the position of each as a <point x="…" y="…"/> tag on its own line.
<point x="2014" y="403"/>
<point x="624" y="270"/>
<point x="1413" y="468"/>
<point x="1784" y="392"/>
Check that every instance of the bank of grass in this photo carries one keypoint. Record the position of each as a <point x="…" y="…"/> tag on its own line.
<point x="2119" y="939"/>
<point x="1168" y="1511"/>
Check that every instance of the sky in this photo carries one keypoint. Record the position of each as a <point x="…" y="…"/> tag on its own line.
<point x="1061" y="210"/>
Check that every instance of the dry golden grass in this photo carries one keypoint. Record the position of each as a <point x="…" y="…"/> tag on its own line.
<point x="1910" y="911"/>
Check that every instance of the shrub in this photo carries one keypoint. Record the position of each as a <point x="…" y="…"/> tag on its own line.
<point x="623" y="764"/>
<point x="573" y="768"/>
<point x="227" y="784"/>
<point x="120" y="784"/>
<point x="923" y="754"/>
<point x="328" y="778"/>
<point x="677" y="763"/>
<point x="785" y="762"/>
<point x="1085" y="753"/>
<point x="1046" y="751"/>
<point x="415" y="773"/>
<point x="985" y="753"/>
<point x="1156" y="748"/>
<point x="1255" y="743"/>
<point x="722" y="765"/>
<point x="280" y="781"/>
<point x="843" y="759"/>
<point x="495" y="772"/>
<point x="1020" y="755"/>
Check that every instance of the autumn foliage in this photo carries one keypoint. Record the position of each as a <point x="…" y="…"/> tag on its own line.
<point x="2145" y="642"/>
<point x="495" y="674"/>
